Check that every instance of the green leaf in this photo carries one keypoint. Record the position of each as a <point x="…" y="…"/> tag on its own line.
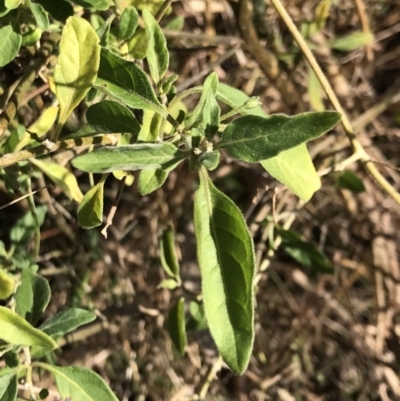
<point x="112" y="117"/>
<point x="90" y="210"/>
<point x="304" y="252"/>
<point x="77" y="65"/>
<point x="31" y="37"/>
<point x="79" y="384"/>
<point x="32" y="296"/>
<point x="151" y="126"/>
<point x="227" y="263"/>
<point x="10" y="393"/>
<point x="125" y="81"/>
<point x="62" y="177"/>
<point x="138" y="44"/>
<point x="176" y="24"/>
<point x="130" y="158"/>
<point x="353" y="41"/>
<point x="7" y="285"/>
<point x="59" y="10"/>
<point x="197" y="320"/>
<point x="157" y="53"/>
<point x="254" y="138"/>
<point x="16" y="330"/>
<point x="11" y="4"/>
<point x="235" y="98"/>
<point x="169" y="284"/>
<point x="315" y="92"/>
<point x="205" y="116"/>
<point x="348" y="179"/>
<point x="210" y="160"/>
<point x="10" y="44"/>
<point x="128" y="24"/>
<point x="40" y="15"/>
<point x="100" y="5"/>
<point x="67" y="321"/>
<point x="103" y="32"/>
<point x="295" y="169"/>
<point x="24" y="229"/>
<point x="177" y="327"/>
<point x="169" y="260"/>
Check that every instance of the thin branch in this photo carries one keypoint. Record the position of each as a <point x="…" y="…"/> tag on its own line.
<point x="356" y="145"/>
<point x="162" y="10"/>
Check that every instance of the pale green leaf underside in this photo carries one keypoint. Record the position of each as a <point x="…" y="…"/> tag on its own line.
<point x="16" y="330"/>
<point x="77" y="65"/>
<point x="90" y="210"/>
<point x="294" y="168"/>
<point x="226" y="259"/>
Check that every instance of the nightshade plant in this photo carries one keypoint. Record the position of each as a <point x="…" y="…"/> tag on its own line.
<point x="94" y="65"/>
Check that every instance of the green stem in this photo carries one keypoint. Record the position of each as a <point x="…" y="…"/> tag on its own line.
<point x="32" y="208"/>
<point x="182" y="95"/>
<point x="162" y="10"/>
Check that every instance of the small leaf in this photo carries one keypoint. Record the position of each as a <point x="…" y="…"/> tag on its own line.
<point x="59" y="10"/>
<point x="77" y="65"/>
<point x="210" y="160"/>
<point x="128" y="24"/>
<point x="112" y="117"/>
<point x="236" y="98"/>
<point x="197" y="320"/>
<point x="315" y="92"/>
<point x="103" y="32"/>
<point x="79" y="384"/>
<point x="7" y="285"/>
<point x="130" y="158"/>
<point x="295" y="169"/>
<point x="40" y="15"/>
<point x="349" y="180"/>
<point x="205" y="116"/>
<point x="253" y="138"/>
<point x="227" y="264"/>
<point x="176" y="24"/>
<point x="8" y="391"/>
<point x="16" y="330"/>
<point x="352" y="41"/>
<point x="322" y="14"/>
<point x="10" y="44"/>
<point x="157" y="53"/>
<point x="177" y="327"/>
<point x="32" y="296"/>
<point x="90" y="210"/>
<point x="125" y="81"/>
<point x="67" y="321"/>
<point x="169" y="284"/>
<point x="62" y="177"/>
<point x="169" y="260"/>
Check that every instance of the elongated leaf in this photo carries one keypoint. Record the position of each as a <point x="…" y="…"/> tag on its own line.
<point x="90" y="210"/>
<point x="197" y="320"/>
<point x="226" y="258"/>
<point x="169" y="259"/>
<point x="353" y="41"/>
<point x="77" y="65"/>
<point x="112" y="117"/>
<point x="157" y="53"/>
<point x="177" y="327"/>
<point x="32" y="296"/>
<point x="125" y="81"/>
<point x="67" y="321"/>
<point x="5" y="379"/>
<point x="235" y="98"/>
<point x="62" y="177"/>
<point x="9" y="44"/>
<point x="127" y="24"/>
<point x="16" y="330"/>
<point x="253" y="138"/>
<point x="10" y="393"/>
<point x="294" y="168"/>
<point x="40" y="15"/>
<point x="130" y="158"/>
<point x="349" y="180"/>
<point x="7" y="285"/>
<point x="79" y="384"/>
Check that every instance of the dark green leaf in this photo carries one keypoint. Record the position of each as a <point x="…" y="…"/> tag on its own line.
<point x="127" y="24"/>
<point x="130" y="158"/>
<point x="10" y="394"/>
<point x="59" y="10"/>
<point x="67" y="321"/>
<point x="112" y="117"/>
<point x="176" y="325"/>
<point x="169" y="259"/>
<point x="79" y="384"/>
<point x="40" y="15"/>
<point x="32" y="296"/>
<point x="227" y="263"/>
<point x="16" y="330"/>
<point x="10" y="44"/>
<point x="254" y="138"/>
<point x="125" y="81"/>
<point x="157" y="53"/>
<point x="349" y="180"/>
<point x="24" y="228"/>
<point x="100" y="5"/>
<point x="6" y="378"/>
<point x="90" y="210"/>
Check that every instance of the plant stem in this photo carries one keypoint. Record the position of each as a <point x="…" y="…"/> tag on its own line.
<point x="356" y="145"/>
<point x="162" y="10"/>
<point x="32" y="208"/>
